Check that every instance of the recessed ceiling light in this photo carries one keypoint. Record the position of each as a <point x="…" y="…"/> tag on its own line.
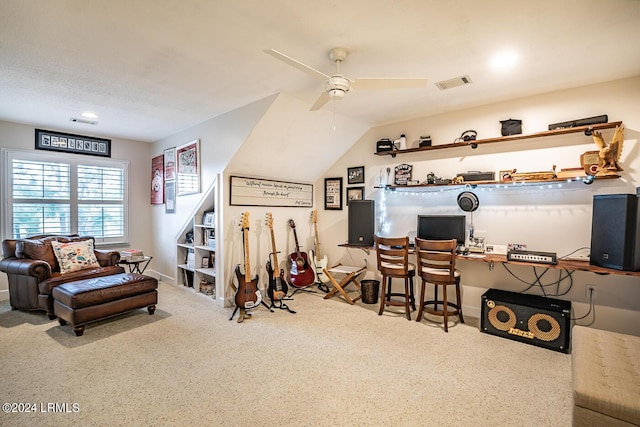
<point x="504" y="60"/>
<point x="89" y="115"/>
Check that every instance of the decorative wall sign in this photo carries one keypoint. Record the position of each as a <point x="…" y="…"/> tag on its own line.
<point x="157" y="181"/>
<point x="188" y="167"/>
<point x="69" y="143"/>
<point x="266" y="192"/>
<point x="402" y="174"/>
<point x="333" y="193"/>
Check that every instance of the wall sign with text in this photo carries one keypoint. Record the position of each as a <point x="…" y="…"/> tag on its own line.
<point x="76" y="144"/>
<point x="267" y="192"/>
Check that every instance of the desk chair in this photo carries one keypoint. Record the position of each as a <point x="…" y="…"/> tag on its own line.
<point x="437" y="265"/>
<point x="351" y="274"/>
<point x="392" y="255"/>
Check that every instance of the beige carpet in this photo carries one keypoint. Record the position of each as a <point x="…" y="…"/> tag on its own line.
<point x="329" y="364"/>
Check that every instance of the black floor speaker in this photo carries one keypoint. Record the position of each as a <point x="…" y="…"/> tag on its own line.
<point x="615" y="232"/>
<point x="361" y="221"/>
<point x="532" y="319"/>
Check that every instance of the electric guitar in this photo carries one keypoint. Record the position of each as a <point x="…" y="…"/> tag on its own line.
<point x="277" y="285"/>
<point x="319" y="262"/>
<point x="247" y="295"/>
<point x="300" y="272"/>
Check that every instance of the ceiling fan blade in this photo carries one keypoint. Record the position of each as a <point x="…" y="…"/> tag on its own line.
<point x="297" y="64"/>
<point x="322" y="99"/>
<point x="390" y="83"/>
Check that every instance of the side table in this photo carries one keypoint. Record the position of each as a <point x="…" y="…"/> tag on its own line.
<point x="135" y="264"/>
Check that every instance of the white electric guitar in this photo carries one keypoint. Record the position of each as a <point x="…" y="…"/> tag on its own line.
<point x="319" y="262"/>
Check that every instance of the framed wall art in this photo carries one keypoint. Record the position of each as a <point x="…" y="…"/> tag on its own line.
<point x="188" y="168"/>
<point x="267" y="192"/>
<point x="75" y="144"/>
<point x="170" y="197"/>
<point x="170" y="164"/>
<point x="157" y="180"/>
<point x="355" y="193"/>
<point x="333" y="193"/>
<point x="355" y="175"/>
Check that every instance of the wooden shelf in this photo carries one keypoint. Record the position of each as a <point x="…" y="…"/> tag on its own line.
<point x="514" y="184"/>
<point x="478" y="142"/>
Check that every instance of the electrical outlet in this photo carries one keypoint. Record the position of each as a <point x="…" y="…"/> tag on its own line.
<point x="590" y="290"/>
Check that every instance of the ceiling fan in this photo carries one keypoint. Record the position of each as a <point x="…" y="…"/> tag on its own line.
<point x="337" y="85"/>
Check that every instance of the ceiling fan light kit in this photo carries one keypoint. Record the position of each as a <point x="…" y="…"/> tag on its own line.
<point x="337" y="85"/>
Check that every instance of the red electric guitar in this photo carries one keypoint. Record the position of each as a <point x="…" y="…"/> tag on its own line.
<point x="247" y="295"/>
<point x="300" y="272"/>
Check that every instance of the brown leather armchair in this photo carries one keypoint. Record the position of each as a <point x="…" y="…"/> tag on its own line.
<point x="33" y="270"/>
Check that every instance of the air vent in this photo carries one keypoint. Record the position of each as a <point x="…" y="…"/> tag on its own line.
<point x="454" y="82"/>
<point x="85" y="121"/>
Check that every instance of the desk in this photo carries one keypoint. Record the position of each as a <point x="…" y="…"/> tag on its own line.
<point x="491" y="259"/>
<point x="134" y="264"/>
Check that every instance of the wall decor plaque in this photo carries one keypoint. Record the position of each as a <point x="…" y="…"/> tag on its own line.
<point x="69" y="143"/>
<point x="267" y="192"/>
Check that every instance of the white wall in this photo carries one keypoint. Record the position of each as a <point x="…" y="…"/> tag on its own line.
<point x="550" y="219"/>
<point x="22" y="136"/>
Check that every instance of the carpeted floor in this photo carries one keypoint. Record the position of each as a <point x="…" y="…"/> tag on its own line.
<point x="330" y="364"/>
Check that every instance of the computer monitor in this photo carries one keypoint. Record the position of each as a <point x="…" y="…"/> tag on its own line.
<point x="442" y="227"/>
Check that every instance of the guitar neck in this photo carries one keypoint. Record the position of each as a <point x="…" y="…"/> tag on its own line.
<point x="295" y="239"/>
<point x="247" y="264"/>
<point x="275" y="256"/>
<point x="315" y="226"/>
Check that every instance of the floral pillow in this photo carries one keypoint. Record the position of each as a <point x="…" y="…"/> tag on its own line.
<point x="75" y="256"/>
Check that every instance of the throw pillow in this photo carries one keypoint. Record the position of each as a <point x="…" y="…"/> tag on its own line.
<point x="75" y="256"/>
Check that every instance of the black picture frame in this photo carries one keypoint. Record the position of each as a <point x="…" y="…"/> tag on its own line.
<point x="70" y="143"/>
<point x="333" y="194"/>
<point x="355" y="175"/>
<point x="355" y="193"/>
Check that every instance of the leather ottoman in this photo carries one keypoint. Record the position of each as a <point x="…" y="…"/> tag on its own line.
<point x="88" y="300"/>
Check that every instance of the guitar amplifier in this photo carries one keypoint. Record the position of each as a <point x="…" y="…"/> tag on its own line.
<point x="532" y="319"/>
<point x="531" y="256"/>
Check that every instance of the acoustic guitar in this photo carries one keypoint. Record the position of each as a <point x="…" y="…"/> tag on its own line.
<point x="300" y="272"/>
<point x="247" y="295"/>
<point x="277" y="289"/>
<point x="319" y="262"/>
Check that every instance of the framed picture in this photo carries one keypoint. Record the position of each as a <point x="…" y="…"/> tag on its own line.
<point x="207" y="219"/>
<point x="170" y="164"/>
<point x="333" y="193"/>
<point x="205" y="262"/>
<point x="188" y="168"/>
<point x="355" y="193"/>
<point x="505" y="176"/>
<point x="74" y="144"/>
<point x="157" y="180"/>
<point x="170" y="197"/>
<point x="355" y="175"/>
<point x="244" y="191"/>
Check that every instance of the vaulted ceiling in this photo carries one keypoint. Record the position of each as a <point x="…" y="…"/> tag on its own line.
<point x="150" y="69"/>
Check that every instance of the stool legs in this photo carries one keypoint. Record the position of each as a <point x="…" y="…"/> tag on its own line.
<point x="445" y="313"/>
<point x="409" y="298"/>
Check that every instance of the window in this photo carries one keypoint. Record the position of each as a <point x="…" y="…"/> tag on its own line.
<point x="63" y="194"/>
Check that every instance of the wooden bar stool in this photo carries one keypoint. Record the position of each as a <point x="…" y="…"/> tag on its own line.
<point x="392" y="255"/>
<point x="437" y="265"/>
<point x="351" y="274"/>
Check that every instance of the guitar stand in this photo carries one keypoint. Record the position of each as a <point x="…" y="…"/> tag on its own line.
<point x="282" y="306"/>
<point x="324" y="288"/>
<point x="244" y="314"/>
<point x="304" y="289"/>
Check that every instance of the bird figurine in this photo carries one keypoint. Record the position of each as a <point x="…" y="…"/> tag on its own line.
<point x="609" y="154"/>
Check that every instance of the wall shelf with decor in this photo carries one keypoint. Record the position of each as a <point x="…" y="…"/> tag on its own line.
<point x="476" y="143"/>
<point x="197" y="248"/>
<point x="497" y="184"/>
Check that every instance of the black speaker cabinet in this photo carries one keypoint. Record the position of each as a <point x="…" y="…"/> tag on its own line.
<point x="615" y="232"/>
<point x="532" y="319"/>
<point x="361" y="221"/>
